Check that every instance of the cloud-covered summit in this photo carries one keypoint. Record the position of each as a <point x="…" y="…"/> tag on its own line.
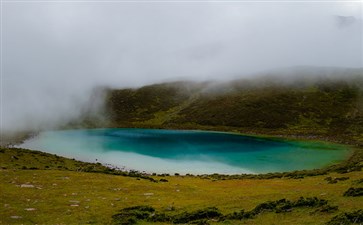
<point x="55" y="53"/>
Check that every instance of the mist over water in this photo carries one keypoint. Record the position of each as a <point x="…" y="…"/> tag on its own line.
<point x="55" y="53"/>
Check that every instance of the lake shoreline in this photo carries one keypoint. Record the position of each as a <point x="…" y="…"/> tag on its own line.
<point x="350" y="158"/>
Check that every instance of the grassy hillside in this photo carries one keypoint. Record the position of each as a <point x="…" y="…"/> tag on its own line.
<point x="40" y="188"/>
<point x="324" y="106"/>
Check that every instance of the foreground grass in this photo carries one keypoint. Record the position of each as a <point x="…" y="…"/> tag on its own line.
<point x="54" y="190"/>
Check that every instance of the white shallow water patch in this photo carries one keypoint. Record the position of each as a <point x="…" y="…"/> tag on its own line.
<point x="157" y="165"/>
<point x="91" y="151"/>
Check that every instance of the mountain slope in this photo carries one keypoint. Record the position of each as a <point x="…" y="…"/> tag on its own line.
<point x="323" y="105"/>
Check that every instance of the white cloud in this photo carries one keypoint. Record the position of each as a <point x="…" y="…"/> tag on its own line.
<point x="55" y="53"/>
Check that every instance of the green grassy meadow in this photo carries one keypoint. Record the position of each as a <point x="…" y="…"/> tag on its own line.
<point x="57" y="190"/>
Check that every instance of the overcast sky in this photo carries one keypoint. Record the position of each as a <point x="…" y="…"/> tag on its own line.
<point x="54" y="53"/>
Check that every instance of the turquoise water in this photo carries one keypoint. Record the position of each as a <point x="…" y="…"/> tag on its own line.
<point x="196" y="152"/>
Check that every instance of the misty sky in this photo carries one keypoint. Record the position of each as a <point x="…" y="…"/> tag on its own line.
<point x="54" y="53"/>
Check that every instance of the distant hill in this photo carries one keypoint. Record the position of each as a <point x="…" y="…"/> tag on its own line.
<point x="324" y="102"/>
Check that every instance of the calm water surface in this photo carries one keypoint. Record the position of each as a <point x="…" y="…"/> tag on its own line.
<point x="197" y="152"/>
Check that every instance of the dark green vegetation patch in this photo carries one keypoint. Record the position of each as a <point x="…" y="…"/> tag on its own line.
<point x="354" y="192"/>
<point x="132" y="214"/>
<point x="355" y="217"/>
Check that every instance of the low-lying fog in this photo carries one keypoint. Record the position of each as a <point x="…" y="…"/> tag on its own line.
<point x="54" y="54"/>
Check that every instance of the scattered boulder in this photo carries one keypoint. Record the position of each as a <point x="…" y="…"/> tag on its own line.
<point x="148" y="194"/>
<point x="16" y="217"/>
<point x="27" y="186"/>
<point x="30" y="209"/>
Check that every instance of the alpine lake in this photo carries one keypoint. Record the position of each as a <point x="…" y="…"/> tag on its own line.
<point x="181" y="151"/>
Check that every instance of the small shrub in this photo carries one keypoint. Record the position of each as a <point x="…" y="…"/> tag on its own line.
<point x="359" y="181"/>
<point x="129" y="216"/>
<point x="284" y="205"/>
<point x="342" y="178"/>
<point x="200" y="222"/>
<point x="310" y="202"/>
<point x="355" y="217"/>
<point x="159" y="217"/>
<point x="207" y="213"/>
<point x="326" y="209"/>
<point x="237" y="215"/>
<point x="354" y="192"/>
<point x="266" y="206"/>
